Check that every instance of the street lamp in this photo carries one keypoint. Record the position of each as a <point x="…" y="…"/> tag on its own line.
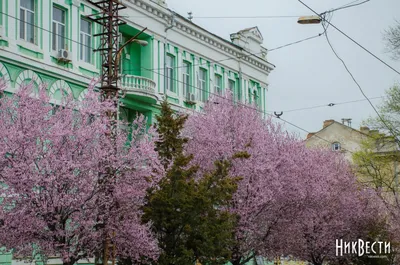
<point x="309" y="20"/>
<point x="142" y="43"/>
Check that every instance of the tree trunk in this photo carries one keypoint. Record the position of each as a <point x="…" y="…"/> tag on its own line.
<point x="72" y="262"/>
<point x="236" y="261"/>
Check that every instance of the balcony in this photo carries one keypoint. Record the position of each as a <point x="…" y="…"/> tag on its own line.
<point x="139" y="87"/>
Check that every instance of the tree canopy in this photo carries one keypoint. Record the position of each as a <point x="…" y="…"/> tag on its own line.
<point x="291" y="201"/>
<point x="189" y="216"/>
<point x="52" y="165"/>
<point x="392" y="40"/>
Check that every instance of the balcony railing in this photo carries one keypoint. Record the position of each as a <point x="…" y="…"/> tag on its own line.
<point x="133" y="83"/>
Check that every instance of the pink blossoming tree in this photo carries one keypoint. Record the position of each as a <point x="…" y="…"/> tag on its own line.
<point x="284" y="185"/>
<point x="52" y="161"/>
<point x="336" y="208"/>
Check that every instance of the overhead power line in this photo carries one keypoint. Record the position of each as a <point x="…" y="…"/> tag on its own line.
<point x="239" y="57"/>
<point x="349" y="5"/>
<point x="348" y="71"/>
<point x="327" y="105"/>
<point x="181" y="66"/>
<point x="244" y="17"/>
<point x="296" y="42"/>
<point x="244" y="105"/>
<point x="228" y="17"/>
<point x="49" y="31"/>
<point x="347" y="36"/>
<point x="262" y="112"/>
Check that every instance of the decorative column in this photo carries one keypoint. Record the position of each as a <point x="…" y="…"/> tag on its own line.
<point x="212" y="80"/>
<point x="75" y="28"/>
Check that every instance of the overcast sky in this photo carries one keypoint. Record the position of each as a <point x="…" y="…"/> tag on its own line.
<point x="308" y="74"/>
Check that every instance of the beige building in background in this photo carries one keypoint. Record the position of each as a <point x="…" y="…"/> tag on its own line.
<point x="338" y="137"/>
<point x="343" y="138"/>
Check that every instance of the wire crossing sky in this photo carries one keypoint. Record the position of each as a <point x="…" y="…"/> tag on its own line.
<point x="308" y="73"/>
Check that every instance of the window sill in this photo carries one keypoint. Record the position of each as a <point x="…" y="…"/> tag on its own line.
<point x="29" y="46"/>
<point x="172" y="94"/>
<point x="173" y="97"/>
<point x="88" y="66"/>
<point x="189" y="102"/>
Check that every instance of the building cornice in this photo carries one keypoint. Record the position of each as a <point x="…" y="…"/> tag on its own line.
<point x="201" y="34"/>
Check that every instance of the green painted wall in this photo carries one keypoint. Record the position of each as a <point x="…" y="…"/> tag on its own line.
<point x="147" y="59"/>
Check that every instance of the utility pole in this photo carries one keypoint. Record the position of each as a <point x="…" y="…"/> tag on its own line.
<point x="110" y="52"/>
<point x="110" y="21"/>
<point x="109" y="47"/>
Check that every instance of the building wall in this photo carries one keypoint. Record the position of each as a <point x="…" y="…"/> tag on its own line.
<point x="348" y="138"/>
<point x="185" y="41"/>
<point x="22" y="61"/>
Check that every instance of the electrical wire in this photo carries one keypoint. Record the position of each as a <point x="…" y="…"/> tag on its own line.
<point x="235" y="58"/>
<point x="181" y="66"/>
<point x="161" y="6"/>
<point x="227" y="17"/>
<point x="349" y="5"/>
<point x="360" y="88"/>
<point x="244" y="105"/>
<point x="347" y="36"/>
<point x="324" y="25"/>
<point x="292" y="43"/>
<point x="326" y="105"/>
<point x="352" y="2"/>
<point x="244" y="17"/>
<point x="263" y="112"/>
<point x="49" y="31"/>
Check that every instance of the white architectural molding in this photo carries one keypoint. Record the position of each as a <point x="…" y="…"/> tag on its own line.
<point x="82" y="95"/>
<point x="60" y="85"/>
<point x="200" y="34"/>
<point x="4" y="74"/>
<point x="43" y="67"/>
<point x="27" y="75"/>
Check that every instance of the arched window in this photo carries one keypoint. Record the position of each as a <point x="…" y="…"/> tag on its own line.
<point x="336" y="146"/>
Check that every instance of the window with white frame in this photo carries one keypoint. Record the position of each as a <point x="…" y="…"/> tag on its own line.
<point x="231" y="86"/>
<point x="336" y="146"/>
<point x="239" y="91"/>
<point x="203" y="84"/>
<point x="218" y="84"/>
<point x="27" y="20"/>
<point x="256" y="97"/>
<point x="59" y="33"/>
<point x="253" y="93"/>
<point x="186" y="78"/>
<point x="169" y="73"/>
<point x="86" y="41"/>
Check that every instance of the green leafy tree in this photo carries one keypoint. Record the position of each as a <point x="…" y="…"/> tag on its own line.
<point x="169" y="126"/>
<point x="189" y="213"/>
<point x="392" y="40"/>
<point x="377" y="163"/>
<point x="389" y="110"/>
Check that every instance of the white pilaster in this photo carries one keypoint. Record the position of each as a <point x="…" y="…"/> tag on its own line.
<point x="161" y="71"/>
<point x="155" y="63"/>
<point x="212" y="80"/>
<point x="196" y="84"/>
<point x="226" y="82"/>
<point x="178" y="69"/>
<point x="13" y="25"/>
<point x="46" y="35"/>
<point x="75" y="34"/>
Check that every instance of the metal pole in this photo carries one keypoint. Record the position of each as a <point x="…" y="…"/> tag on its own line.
<point x="110" y="21"/>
